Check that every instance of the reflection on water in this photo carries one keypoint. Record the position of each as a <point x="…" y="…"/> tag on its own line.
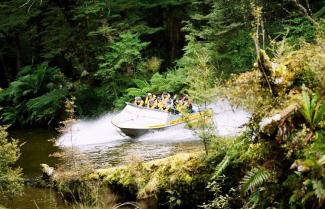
<point x="35" y="150"/>
<point x="35" y="198"/>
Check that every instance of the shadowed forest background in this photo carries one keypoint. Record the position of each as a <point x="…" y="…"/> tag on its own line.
<point x="106" y="52"/>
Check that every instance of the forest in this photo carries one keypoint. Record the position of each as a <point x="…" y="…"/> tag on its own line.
<point x="106" y="52"/>
<point x="267" y="57"/>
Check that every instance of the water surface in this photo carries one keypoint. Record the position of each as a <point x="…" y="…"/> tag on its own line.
<point x="103" y="144"/>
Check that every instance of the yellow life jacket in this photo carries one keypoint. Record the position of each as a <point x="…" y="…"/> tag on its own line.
<point x="146" y="102"/>
<point x="140" y="104"/>
<point x="165" y="109"/>
<point x="158" y="104"/>
<point x="152" y="107"/>
<point x="181" y="108"/>
<point x="165" y="98"/>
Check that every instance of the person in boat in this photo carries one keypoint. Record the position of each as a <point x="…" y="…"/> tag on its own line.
<point x="138" y="101"/>
<point x="190" y="105"/>
<point x="188" y="102"/>
<point x="151" y="104"/>
<point x="165" y="107"/>
<point x="181" y="107"/>
<point x="166" y="98"/>
<point x="158" y="103"/>
<point x="149" y="96"/>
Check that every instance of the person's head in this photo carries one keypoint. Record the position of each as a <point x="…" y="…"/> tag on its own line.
<point x="137" y="99"/>
<point x="164" y="94"/>
<point x="149" y="95"/>
<point x="151" y="102"/>
<point x="158" y="99"/>
<point x="165" y="104"/>
<point x="180" y="102"/>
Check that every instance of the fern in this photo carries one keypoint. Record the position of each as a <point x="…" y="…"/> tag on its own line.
<point x="321" y="160"/>
<point x="312" y="109"/>
<point x="305" y="106"/>
<point x="221" y="167"/>
<point x="46" y="107"/>
<point x="319" y="190"/>
<point x="320" y="111"/>
<point x="35" y="96"/>
<point x="254" y="179"/>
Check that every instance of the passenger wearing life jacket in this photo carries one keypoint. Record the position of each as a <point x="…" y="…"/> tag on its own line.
<point x="181" y="107"/>
<point x="138" y="101"/>
<point x="166" y="98"/>
<point x="151" y="104"/>
<point x="149" y="96"/>
<point x="158" y="103"/>
<point x="190" y="105"/>
<point x="165" y="107"/>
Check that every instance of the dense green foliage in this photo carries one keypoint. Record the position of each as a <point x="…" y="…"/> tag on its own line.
<point x="10" y="178"/>
<point x="36" y="96"/>
<point x="109" y="51"/>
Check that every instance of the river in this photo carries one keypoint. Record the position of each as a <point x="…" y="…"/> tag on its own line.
<point x="102" y="144"/>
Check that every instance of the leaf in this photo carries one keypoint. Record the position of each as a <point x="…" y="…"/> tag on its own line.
<point x="318" y="190"/>
<point x="141" y="83"/>
<point x="321" y="160"/>
<point x="253" y="179"/>
<point x="221" y="166"/>
<point x="305" y="104"/>
<point x="319" y="113"/>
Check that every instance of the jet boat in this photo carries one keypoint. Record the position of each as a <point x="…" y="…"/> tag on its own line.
<point x="134" y="121"/>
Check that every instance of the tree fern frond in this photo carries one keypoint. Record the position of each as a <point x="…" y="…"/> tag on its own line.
<point x="318" y="190"/>
<point x="135" y="92"/>
<point x="319" y="112"/>
<point x="221" y="166"/>
<point x="313" y="103"/>
<point x="305" y="106"/>
<point x="253" y="179"/>
<point x="141" y="83"/>
<point x="321" y="160"/>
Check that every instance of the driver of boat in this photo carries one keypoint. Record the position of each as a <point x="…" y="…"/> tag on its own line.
<point x="138" y="101"/>
<point x="151" y="104"/>
<point x="149" y="96"/>
<point x="165" y="107"/>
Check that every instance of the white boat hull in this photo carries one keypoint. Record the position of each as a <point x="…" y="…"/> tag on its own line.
<point x="135" y="121"/>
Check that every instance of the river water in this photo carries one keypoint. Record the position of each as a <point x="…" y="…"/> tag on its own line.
<point x="103" y="144"/>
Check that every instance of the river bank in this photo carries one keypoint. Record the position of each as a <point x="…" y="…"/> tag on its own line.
<point x="173" y="181"/>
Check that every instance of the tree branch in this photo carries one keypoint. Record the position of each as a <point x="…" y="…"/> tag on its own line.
<point x="305" y="12"/>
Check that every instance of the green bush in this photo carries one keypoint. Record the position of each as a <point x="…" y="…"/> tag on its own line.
<point x="11" y="182"/>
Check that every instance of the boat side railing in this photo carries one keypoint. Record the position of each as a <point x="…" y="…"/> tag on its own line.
<point x="173" y="111"/>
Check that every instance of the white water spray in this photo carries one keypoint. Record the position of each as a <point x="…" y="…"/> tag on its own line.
<point x="228" y="122"/>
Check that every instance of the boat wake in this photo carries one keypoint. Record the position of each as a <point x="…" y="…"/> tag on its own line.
<point x="100" y="131"/>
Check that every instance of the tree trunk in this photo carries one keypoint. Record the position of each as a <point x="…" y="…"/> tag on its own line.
<point x="18" y="51"/>
<point x="175" y="35"/>
<point x="3" y="74"/>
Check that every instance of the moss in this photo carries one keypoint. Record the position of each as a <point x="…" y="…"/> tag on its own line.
<point x="177" y="177"/>
<point x="1" y="206"/>
<point x="150" y="178"/>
